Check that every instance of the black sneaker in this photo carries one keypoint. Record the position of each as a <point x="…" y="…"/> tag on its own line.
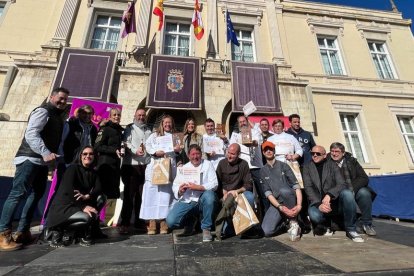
<point x="56" y="240"/>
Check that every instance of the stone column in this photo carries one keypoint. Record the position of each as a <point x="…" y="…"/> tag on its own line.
<point x="66" y="22"/>
<point x="272" y="11"/>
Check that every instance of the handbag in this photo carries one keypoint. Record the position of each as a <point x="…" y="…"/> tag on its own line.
<point x="244" y="217"/>
<point x="161" y="171"/>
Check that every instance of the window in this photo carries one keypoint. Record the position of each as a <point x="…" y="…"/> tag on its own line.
<point x="2" y="7"/>
<point x="330" y="54"/>
<point x="353" y="136"/>
<point x="381" y="60"/>
<point x="106" y="32"/>
<point x="244" y="52"/>
<point x="407" y="130"/>
<point x="177" y="39"/>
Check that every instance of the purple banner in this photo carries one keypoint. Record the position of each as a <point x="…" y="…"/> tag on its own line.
<point x="174" y="83"/>
<point x="86" y="73"/>
<point x="255" y="82"/>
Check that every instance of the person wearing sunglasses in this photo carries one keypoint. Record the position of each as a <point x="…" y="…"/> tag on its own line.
<point x="328" y="195"/>
<point x="284" y="194"/>
<point x="74" y="210"/>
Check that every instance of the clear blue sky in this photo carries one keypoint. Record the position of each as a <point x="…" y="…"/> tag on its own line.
<point x="406" y="7"/>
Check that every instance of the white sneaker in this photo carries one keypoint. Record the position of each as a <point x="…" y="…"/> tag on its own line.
<point x="294" y="231"/>
<point x="328" y="233"/>
<point x="354" y="236"/>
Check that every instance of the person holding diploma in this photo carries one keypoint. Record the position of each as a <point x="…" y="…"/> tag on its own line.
<point x="214" y="156"/>
<point x="157" y="200"/>
<point x="194" y="188"/>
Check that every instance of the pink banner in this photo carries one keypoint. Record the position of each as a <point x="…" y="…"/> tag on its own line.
<point x="101" y="112"/>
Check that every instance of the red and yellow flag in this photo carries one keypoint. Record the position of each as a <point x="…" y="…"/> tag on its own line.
<point x="159" y="11"/>
<point x="197" y="22"/>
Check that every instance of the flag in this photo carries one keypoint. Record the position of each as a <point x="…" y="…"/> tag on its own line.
<point x="231" y="35"/>
<point x="159" y="11"/>
<point x="129" y="20"/>
<point x="197" y="22"/>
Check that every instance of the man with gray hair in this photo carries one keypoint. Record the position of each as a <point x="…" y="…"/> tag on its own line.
<point x="357" y="181"/>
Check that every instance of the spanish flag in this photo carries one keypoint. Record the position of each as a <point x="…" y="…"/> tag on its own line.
<point x="197" y="22"/>
<point x="159" y="11"/>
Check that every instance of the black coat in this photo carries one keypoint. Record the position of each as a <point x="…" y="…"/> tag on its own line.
<point x="332" y="182"/>
<point x="107" y="143"/>
<point x="64" y="204"/>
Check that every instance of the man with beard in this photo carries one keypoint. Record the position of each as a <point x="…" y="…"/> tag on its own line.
<point x="133" y="170"/>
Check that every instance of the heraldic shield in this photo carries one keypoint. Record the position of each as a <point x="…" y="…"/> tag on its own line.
<point x="175" y="80"/>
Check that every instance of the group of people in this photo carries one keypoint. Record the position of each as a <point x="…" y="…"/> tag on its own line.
<point x="293" y="184"/>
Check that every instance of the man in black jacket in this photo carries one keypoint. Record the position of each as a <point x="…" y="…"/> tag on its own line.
<point x="328" y="195"/>
<point x="357" y="181"/>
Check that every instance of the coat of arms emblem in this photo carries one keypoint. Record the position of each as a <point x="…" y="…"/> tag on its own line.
<point x="175" y="80"/>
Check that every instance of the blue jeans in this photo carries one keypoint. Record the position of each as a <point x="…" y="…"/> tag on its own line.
<point x="29" y="182"/>
<point x="364" y="202"/>
<point x="344" y="205"/>
<point x="228" y="228"/>
<point x="184" y="213"/>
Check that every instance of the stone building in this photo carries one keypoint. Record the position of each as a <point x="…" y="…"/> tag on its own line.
<point x="346" y="71"/>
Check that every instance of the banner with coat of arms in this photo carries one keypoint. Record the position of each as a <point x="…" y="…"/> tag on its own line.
<point x="174" y="83"/>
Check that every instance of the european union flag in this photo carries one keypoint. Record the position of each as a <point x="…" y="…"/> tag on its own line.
<point x="231" y="35"/>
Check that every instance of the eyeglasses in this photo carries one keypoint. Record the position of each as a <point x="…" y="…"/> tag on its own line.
<point x="87" y="153"/>
<point x="313" y="153"/>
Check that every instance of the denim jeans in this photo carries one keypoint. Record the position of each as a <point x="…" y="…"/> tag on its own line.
<point x="272" y="219"/>
<point x="185" y="213"/>
<point x="364" y="202"/>
<point x="29" y="182"/>
<point x="344" y="205"/>
<point x="228" y="228"/>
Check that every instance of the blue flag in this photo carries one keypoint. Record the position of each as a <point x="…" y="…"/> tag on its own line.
<point x="231" y="35"/>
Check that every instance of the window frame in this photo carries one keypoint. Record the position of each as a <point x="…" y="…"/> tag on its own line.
<point x="337" y="50"/>
<point x="190" y="36"/>
<point x="238" y="30"/>
<point x="93" y="25"/>
<point x="405" y="134"/>
<point x="387" y="54"/>
<point x="348" y="133"/>
<point x="6" y="5"/>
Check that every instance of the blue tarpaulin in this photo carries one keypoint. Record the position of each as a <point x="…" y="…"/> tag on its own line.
<point x="395" y="195"/>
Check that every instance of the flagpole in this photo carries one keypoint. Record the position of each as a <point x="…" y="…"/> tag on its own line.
<point x="394" y="7"/>
<point x="225" y="34"/>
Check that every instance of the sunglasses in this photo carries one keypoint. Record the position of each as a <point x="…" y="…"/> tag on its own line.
<point x="316" y="153"/>
<point x="87" y="153"/>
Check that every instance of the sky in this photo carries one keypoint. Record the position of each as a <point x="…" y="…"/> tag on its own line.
<point x="406" y="7"/>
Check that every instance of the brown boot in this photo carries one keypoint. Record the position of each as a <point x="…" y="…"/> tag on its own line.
<point x="24" y="237"/>
<point x="163" y="227"/>
<point x="7" y="243"/>
<point x="152" y="227"/>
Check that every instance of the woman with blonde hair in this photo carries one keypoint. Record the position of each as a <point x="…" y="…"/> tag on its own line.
<point x="157" y="200"/>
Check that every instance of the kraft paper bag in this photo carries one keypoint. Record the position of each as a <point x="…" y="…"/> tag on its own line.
<point x="296" y="171"/>
<point x="244" y="217"/>
<point x="161" y="171"/>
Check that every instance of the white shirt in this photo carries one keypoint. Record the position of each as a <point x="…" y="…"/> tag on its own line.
<point x="208" y="180"/>
<point x="285" y="144"/>
<point x="245" y="154"/>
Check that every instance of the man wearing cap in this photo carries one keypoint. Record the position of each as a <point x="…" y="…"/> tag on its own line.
<point x="282" y="190"/>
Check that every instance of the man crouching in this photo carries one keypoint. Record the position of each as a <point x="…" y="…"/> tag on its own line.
<point x="281" y="188"/>
<point x="195" y="195"/>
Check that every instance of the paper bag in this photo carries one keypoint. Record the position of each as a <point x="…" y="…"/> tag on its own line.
<point x="161" y="171"/>
<point x="296" y="171"/>
<point x="244" y="217"/>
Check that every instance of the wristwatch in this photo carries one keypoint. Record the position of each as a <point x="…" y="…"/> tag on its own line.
<point x="279" y="207"/>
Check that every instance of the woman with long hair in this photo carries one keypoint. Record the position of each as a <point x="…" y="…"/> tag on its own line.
<point x="191" y="137"/>
<point x="78" y="199"/>
<point x="157" y="200"/>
